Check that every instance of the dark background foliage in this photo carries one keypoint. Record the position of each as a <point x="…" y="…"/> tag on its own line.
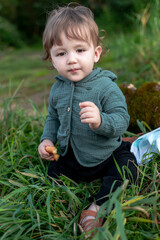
<point x="22" y="21"/>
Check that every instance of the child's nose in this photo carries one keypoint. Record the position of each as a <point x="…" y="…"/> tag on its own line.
<point x="71" y="58"/>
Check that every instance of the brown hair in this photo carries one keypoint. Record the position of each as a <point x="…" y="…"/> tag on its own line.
<point x="76" y="22"/>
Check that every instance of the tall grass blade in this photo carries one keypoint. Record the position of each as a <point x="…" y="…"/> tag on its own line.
<point x="120" y="220"/>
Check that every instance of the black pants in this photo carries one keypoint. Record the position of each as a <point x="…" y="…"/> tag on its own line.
<point x="107" y="171"/>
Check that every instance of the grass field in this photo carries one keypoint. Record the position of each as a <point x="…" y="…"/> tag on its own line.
<point x="33" y="207"/>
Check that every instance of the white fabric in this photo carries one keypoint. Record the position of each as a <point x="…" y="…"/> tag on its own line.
<point x="144" y="147"/>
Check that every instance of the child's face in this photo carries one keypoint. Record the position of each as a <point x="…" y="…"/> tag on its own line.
<point x="74" y="59"/>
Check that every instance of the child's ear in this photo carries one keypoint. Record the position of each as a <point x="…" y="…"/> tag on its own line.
<point x="50" y="59"/>
<point x="98" y="51"/>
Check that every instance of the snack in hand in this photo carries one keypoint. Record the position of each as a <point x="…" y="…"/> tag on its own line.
<point x="53" y="150"/>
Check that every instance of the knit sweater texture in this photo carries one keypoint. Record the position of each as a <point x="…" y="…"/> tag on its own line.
<point x="63" y="124"/>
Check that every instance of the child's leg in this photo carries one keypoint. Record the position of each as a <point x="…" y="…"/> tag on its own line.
<point x="112" y="178"/>
<point x="111" y="175"/>
<point x="64" y="166"/>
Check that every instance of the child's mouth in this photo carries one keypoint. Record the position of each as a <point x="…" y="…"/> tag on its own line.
<point x="73" y="70"/>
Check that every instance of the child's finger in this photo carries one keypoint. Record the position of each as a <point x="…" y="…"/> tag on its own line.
<point x="86" y="104"/>
<point x="50" y="158"/>
<point x="86" y="114"/>
<point x="47" y="156"/>
<point x="88" y="120"/>
<point x="86" y="110"/>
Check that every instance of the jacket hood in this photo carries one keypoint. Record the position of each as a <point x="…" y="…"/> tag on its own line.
<point x="110" y="75"/>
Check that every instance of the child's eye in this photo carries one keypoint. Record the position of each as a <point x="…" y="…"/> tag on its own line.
<point x="80" y="50"/>
<point x="60" y="54"/>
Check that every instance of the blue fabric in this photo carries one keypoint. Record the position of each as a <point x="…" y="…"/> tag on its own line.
<point x="144" y="147"/>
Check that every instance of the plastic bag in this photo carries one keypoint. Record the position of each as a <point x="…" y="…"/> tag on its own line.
<point x="145" y="146"/>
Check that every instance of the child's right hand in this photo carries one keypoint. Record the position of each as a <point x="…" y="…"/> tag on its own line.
<point x="42" y="150"/>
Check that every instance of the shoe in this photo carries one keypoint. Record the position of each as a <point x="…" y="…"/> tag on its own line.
<point x="89" y="225"/>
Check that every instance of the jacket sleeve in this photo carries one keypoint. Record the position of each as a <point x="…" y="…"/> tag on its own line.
<point x="52" y="122"/>
<point x="114" y="114"/>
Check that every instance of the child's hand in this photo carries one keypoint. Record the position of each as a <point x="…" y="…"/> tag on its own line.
<point x="42" y="150"/>
<point x="90" y="114"/>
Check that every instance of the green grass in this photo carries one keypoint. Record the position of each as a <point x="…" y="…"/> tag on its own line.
<point x="134" y="58"/>
<point x="32" y="207"/>
<point x="23" y="65"/>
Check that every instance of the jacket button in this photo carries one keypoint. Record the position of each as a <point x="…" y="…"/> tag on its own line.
<point x="68" y="109"/>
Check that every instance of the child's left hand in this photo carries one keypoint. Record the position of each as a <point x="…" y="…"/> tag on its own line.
<point x="90" y="114"/>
